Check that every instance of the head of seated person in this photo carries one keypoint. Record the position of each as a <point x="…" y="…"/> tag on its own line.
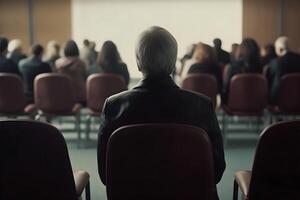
<point x="281" y="46"/>
<point x="204" y="54"/>
<point x="156" y="53"/>
<point x="71" y="49"/>
<point x="109" y="55"/>
<point x="37" y="51"/>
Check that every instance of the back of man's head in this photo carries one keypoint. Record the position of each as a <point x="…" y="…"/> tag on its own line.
<point x="217" y="43"/>
<point x="3" y="45"/>
<point x="37" y="50"/>
<point x="156" y="52"/>
<point x="281" y="45"/>
<point x="86" y="42"/>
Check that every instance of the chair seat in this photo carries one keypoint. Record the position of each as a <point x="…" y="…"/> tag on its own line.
<point x="240" y="113"/>
<point x="243" y="180"/>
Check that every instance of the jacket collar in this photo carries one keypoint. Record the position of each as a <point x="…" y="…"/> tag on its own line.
<point x="156" y="83"/>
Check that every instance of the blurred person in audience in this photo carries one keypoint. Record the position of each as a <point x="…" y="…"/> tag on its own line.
<point x="15" y="51"/>
<point x="52" y="53"/>
<point x="86" y="54"/>
<point x="109" y="61"/>
<point x="267" y="54"/>
<point x="72" y="66"/>
<point x="234" y="52"/>
<point x="30" y="68"/>
<point x="157" y="99"/>
<point x="186" y="60"/>
<point x="223" y="57"/>
<point x="248" y="62"/>
<point x="94" y="53"/>
<point x="286" y="63"/>
<point x="205" y="56"/>
<point x="6" y="64"/>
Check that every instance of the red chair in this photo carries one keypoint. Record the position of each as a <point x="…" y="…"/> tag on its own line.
<point x="248" y="96"/>
<point x="288" y="103"/>
<point x="159" y="161"/>
<point x="12" y="98"/>
<point x="35" y="163"/>
<point x="54" y="96"/>
<point x="205" y="84"/>
<point x="99" y="87"/>
<point x="276" y="168"/>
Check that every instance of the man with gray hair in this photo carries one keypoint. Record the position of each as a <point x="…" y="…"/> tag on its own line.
<point x="157" y="99"/>
<point x="287" y="62"/>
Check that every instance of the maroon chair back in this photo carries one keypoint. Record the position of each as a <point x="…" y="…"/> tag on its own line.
<point x="53" y="93"/>
<point x="101" y="86"/>
<point x="159" y="161"/>
<point x="35" y="163"/>
<point x="276" y="167"/>
<point x="289" y="94"/>
<point x="248" y="94"/>
<point x="12" y="99"/>
<point x="205" y="84"/>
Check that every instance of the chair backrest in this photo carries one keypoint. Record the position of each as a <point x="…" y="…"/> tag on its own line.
<point x="159" y="161"/>
<point x="34" y="162"/>
<point x="205" y="84"/>
<point x="53" y="93"/>
<point x="289" y="94"/>
<point x="101" y="86"/>
<point x="276" y="167"/>
<point x="12" y="99"/>
<point x="248" y="93"/>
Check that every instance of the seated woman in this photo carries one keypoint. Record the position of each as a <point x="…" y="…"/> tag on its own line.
<point x="206" y="63"/>
<point x="248" y="62"/>
<point x="73" y="67"/>
<point x="109" y="61"/>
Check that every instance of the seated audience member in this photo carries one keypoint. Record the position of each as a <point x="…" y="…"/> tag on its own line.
<point x="158" y="99"/>
<point x="94" y="53"/>
<point x="267" y="54"/>
<point x="206" y="63"/>
<point x="109" y="61"/>
<point x="6" y="64"/>
<point x="234" y="52"/>
<point x="15" y="51"/>
<point x="223" y="57"/>
<point x="52" y="53"/>
<point x="248" y="62"/>
<point x="73" y="67"/>
<point x="186" y="60"/>
<point x="287" y="62"/>
<point x="86" y="54"/>
<point x="30" y="68"/>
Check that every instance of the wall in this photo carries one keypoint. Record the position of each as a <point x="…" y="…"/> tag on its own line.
<point x="189" y="21"/>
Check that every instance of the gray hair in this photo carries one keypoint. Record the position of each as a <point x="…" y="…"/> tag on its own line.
<point x="281" y="45"/>
<point x="156" y="52"/>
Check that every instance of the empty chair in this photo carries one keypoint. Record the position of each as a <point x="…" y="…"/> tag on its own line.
<point x="35" y="163"/>
<point x="159" y="161"/>
<point x="247" y="97"/>
<point x="99" y="87"/>
<point x="54" y="96"/>
<point x="275" y="172"/>
<point x="12" y="98"/>
<point x="205" y="84"/>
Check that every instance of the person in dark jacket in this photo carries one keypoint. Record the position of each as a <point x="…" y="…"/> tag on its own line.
<point x="286" y="63"/>
<point x="206" y="63"/>
<point x="223" y="57"/>
<point x="157" y="99"/>
<point x="30" y="68"/>
<point x="268" y="54"/>
<point x="15" y="51"/>
<point x="6" y="64"/>
<point x="109" y="61"/>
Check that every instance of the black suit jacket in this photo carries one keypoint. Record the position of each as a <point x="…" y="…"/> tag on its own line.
<point x="30" y="68"/>
<point x="223" y="57"/>
<point x="8" y="66"/>
<point x="161" y="101"/>
<point x="289" y="63"/>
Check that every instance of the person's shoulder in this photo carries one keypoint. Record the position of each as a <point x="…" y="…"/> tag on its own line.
<point x="118" y="98"/>
<point x="193" y="96"/>
<point x="24" y="62"/>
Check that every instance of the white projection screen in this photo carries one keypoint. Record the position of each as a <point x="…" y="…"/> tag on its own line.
<point x="190" y="21"/>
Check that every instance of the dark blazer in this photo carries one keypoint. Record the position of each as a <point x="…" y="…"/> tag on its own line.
<point x="16" y="57"/>
<point x="237" y="67"/>
<point x="8" y="66"/>
<point x="162" y="101"/>
<point x="223" y="57"/>
<point x="209" y="68"/>
<point x="119" y="69"/>
<point x="289" y="63"/>
<point x="30" y="68"/>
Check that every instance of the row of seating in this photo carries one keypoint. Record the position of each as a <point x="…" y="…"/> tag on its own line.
<point x="142" y="163"/>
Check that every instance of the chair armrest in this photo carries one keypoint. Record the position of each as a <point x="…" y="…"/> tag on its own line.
<point x="81" y="179"/>
<point x="242" y="178"/>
